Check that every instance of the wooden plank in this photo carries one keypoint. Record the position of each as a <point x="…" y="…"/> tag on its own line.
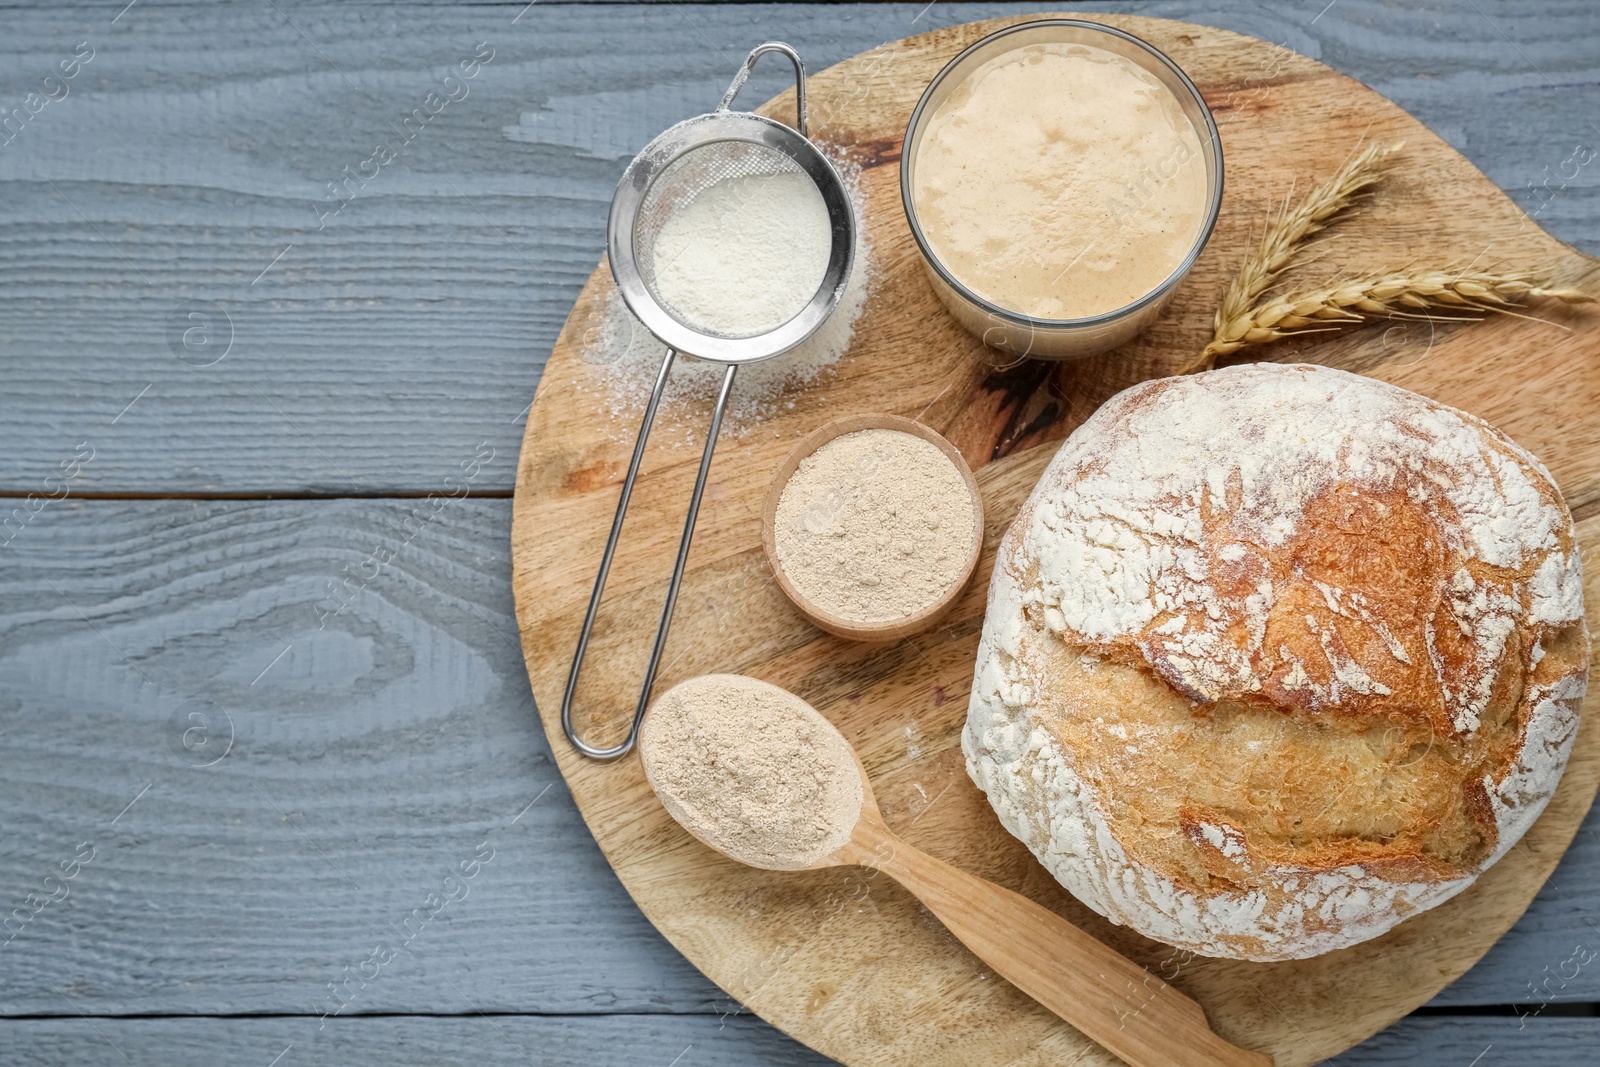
<point x="385" y="345"/>
<point x="651" y="1041"/>
<point x="370" y="758"/>
<point x="396" y="738"/>
<point x="470" y="1041"/>
<point x="1477" y="1042"/>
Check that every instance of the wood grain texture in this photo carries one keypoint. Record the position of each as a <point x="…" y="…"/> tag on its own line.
<point x="810" y="957"/>
<point x="1477" y="1042"/>
<point x="367" y="763"/>
<point x="471" y="1041"/>
<point x="648" y="1041"/>
<point x="380" y="348"/>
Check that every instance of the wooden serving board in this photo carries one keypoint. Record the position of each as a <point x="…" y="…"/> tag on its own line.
<point x="845" y="961"/>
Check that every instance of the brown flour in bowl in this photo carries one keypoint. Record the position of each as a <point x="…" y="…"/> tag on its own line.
<point x="875" y="525"/>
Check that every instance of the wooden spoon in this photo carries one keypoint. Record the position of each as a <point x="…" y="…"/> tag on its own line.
<point x="1112" y="999"/>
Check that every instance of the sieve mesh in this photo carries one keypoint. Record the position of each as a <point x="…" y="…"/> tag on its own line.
<point x="681" y="182"/>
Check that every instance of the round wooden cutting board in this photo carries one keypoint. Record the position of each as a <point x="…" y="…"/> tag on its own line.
<point x="842" y="959"/>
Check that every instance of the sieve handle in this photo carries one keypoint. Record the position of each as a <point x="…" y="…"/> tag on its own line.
<point x="750" y="64"/>
<point x="622" y="748"/>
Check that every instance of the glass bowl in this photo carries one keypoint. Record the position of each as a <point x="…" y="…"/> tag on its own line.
<point x="1012" y="331"/>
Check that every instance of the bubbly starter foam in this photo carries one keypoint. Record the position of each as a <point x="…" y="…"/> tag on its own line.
<point x="1060" y="181"/>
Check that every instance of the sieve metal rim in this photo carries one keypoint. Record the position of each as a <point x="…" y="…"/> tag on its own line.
<point x="695" y="134"/>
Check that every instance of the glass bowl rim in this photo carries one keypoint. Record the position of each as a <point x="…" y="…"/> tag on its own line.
<point x="1214" y="140"/>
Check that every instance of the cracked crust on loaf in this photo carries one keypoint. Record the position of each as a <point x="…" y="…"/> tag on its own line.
<point x="1276" y="656"/>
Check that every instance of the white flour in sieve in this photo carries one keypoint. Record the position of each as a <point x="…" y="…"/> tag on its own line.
<point x="629" y="357"/>
<point x="746" y="255"/>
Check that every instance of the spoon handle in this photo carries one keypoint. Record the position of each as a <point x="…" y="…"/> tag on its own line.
<point x="1109" y="997"/>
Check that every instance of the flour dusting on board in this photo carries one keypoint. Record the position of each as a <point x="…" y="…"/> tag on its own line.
<point x="630" y="358"/>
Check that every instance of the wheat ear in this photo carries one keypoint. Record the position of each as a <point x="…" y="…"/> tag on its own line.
<point x="1286" y="231"/>
<point x="1459" y="292"/>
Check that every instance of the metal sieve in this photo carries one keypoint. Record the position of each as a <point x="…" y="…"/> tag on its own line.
<point x="666" y="177"/>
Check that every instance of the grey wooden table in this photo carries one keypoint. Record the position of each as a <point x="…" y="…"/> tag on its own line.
<point x="229" y="810"/>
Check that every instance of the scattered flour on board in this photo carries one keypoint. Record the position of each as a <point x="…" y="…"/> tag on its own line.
<point x="630" y="358"/>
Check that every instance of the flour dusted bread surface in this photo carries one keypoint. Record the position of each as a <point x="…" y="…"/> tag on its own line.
<point x="1276" y="656"/>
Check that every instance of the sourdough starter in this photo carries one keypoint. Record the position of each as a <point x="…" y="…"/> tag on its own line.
<point x="1060" y="181"/>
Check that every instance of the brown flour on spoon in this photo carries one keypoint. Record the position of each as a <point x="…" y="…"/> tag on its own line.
<point x="752" y="770"/>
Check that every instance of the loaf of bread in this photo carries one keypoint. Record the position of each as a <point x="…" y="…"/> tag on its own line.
<point x="1276" y="656"/>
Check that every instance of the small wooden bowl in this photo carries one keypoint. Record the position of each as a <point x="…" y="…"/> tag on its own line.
<point x="854" y="629"/>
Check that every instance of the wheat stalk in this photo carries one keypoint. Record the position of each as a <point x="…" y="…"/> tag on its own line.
<point x="1286" y="232"/>
<point x="1459" y="292"/>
